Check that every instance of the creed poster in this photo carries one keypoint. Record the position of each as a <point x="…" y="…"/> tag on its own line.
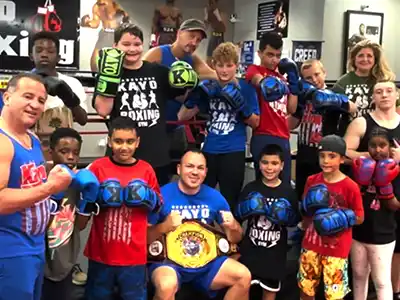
<point x="20" y="19"/>
<point x="304" y="50"/>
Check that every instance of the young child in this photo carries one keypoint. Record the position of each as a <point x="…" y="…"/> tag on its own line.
<point x="231" y="107"/>
<point x="331" y="205"/>
<point x="266" y="234"/>
<point x="117" y="243"/>
<point x="63" y="233"/>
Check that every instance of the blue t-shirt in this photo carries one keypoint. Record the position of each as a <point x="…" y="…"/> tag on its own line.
<point x="226" y="130"/>
<point x="22" y="233"/>
<point x="205" y="206"/>
<point x="1" y="102"/>
<point x="173" y="106"/>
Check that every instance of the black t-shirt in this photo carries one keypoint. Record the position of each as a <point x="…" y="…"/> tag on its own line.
<point x="264" y="246"/>
<point x="379" y="226"/>
<point x="142" y="96"/>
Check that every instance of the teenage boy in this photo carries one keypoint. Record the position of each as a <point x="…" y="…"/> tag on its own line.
<point x="273" y="127"/>
<point x="231" y="107"/>
<point x="140" y="90"/>
<point x="331" y="206"/>
<point x="63" y="233"/>
<point x="116" y="247"/>
<point x="266" y="234"/>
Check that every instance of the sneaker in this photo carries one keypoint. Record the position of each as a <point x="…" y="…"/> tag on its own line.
<point x="78" y="276"/>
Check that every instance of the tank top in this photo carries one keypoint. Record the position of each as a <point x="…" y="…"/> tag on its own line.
<point x="173" y="106"/>
<point x="379" y="226"/>
<point x="22" y="232"/>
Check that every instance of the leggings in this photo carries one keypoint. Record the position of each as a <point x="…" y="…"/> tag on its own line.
<point x="374" y="259"/>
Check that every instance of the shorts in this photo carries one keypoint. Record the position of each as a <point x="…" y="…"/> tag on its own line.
<point x="334" y="271"/>
<point x="200" y="278"/>
<point x="21" y="278"/>
<point x="102" y="279"/>
<point x="397" y="247"/>
<point x="270" y="285"/>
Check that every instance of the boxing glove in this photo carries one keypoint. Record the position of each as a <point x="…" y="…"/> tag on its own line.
<point x="209" y="88"/>
<point x="317" y="197"/>
<point x="324" y="100"/>
<point x="281" y="212"/>
<point x="331" y="221"/>
<point x="55" y="203"/>
<point x="138" y="194"/>
<point x="182" y="75"/>
<point x="289" y="67"/>
<point x="307" y="92"/>
<point x="111" y="193"/>
<point x="59" y="88"/>
<point x="363" y="170"/>
<point x="232" y="95"/>
<point x="385" y="172"/>
<point x="87" y="183"/>
<point x="110" y="65"/>
<point x="273" y="89"/>
<point x="254" y="204"/>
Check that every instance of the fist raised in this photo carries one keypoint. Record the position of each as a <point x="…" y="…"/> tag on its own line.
<point x="173" y="221"/>
<point x="59" y="179"/>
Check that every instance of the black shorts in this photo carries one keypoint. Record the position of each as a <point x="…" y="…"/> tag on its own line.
<point x="397" y="247"/>
<point x="270" y="285"/>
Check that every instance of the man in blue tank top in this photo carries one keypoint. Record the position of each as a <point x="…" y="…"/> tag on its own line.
<point x="24" y="190"/>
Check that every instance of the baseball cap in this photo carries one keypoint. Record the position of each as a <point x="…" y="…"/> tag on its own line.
<point x="333" y="143"/>
<point x="194" y="24"/>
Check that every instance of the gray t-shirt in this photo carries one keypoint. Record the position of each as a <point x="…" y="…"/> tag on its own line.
<point x="63" y="240"/>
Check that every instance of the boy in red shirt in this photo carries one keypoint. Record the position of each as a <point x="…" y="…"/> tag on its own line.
<point x="273" y="127"/>
<point x="331" y="205"/>
<point x="116" y="247"/>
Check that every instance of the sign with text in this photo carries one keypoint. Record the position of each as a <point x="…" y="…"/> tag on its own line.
<point x="21" y="19"/>
<point x="273" y="16"/>
<point x="304" y="50"/>
<point x="246" y="56"/>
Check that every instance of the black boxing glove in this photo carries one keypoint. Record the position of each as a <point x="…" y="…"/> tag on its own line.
<point x="59" y="88"/>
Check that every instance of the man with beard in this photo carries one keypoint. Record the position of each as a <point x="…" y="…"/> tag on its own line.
<point x="166" y="21"/>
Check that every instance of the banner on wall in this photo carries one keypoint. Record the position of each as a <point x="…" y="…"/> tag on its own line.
<point x="20" y="19"/>
<point x="246" y="56"/>
<point x="304" y="50"/>
<point x="273" y="16"/>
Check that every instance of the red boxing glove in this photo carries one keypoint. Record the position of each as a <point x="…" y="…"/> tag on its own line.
<point x="363" y="170"/>
<point x="385" y="172"/>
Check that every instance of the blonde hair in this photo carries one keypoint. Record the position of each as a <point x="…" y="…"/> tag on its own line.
<point x="226" y="52"/>
<point x="309" y="63"/>
<point x="381" y="70"/>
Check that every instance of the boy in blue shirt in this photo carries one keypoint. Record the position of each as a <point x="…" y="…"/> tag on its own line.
<point x="231" y="107"/>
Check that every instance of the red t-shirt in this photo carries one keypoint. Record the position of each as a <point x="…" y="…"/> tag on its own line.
<point x="118" y="236"/>
<point x="343" y="194"/>
<point x="273" y="115"/>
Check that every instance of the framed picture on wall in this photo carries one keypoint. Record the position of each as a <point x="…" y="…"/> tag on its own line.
<point x="360" y="25"/>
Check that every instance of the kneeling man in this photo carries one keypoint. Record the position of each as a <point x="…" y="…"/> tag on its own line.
<point x="194" y="257"/>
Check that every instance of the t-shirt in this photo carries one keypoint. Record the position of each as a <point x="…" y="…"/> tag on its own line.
<point x="264" y="245"/>
<point x="226" y="130"/>
<point x="205" y="206"/>
<point x="118" y="236"/>
<point x="142" y="96"/>
<point x="359" y="91"/>
<point x="273" y="115"/>
<point x="343" y="194"/>
<point x="63" y="237"/>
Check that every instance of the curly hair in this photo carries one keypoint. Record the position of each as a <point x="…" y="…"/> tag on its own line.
<point x="226" y="52"/>
<point x="381" y="70"/>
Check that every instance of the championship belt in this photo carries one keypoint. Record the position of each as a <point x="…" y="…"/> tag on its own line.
<point x="192" y="245"/>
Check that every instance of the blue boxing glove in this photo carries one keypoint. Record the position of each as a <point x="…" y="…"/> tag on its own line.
<point x="233" y="96"/>
<point x="209" y="88"/>
<point x="87" y="183"/>
<point x="281" y="212"/>
<point x="323" y="100"/>
<point x="317" y="197"/>
<point x="273" y="89"/>
<point x="55" y="203"/>
<point x="111" y="193"/>
<point x="254" y="204"/>
<point x="289" y="67"/>
<point x="139" y="194"/>
<point x="331" y="221"/>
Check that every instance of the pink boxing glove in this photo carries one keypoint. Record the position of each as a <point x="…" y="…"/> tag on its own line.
<point x="385" y="172"/>
<point x="363" y="170"/>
